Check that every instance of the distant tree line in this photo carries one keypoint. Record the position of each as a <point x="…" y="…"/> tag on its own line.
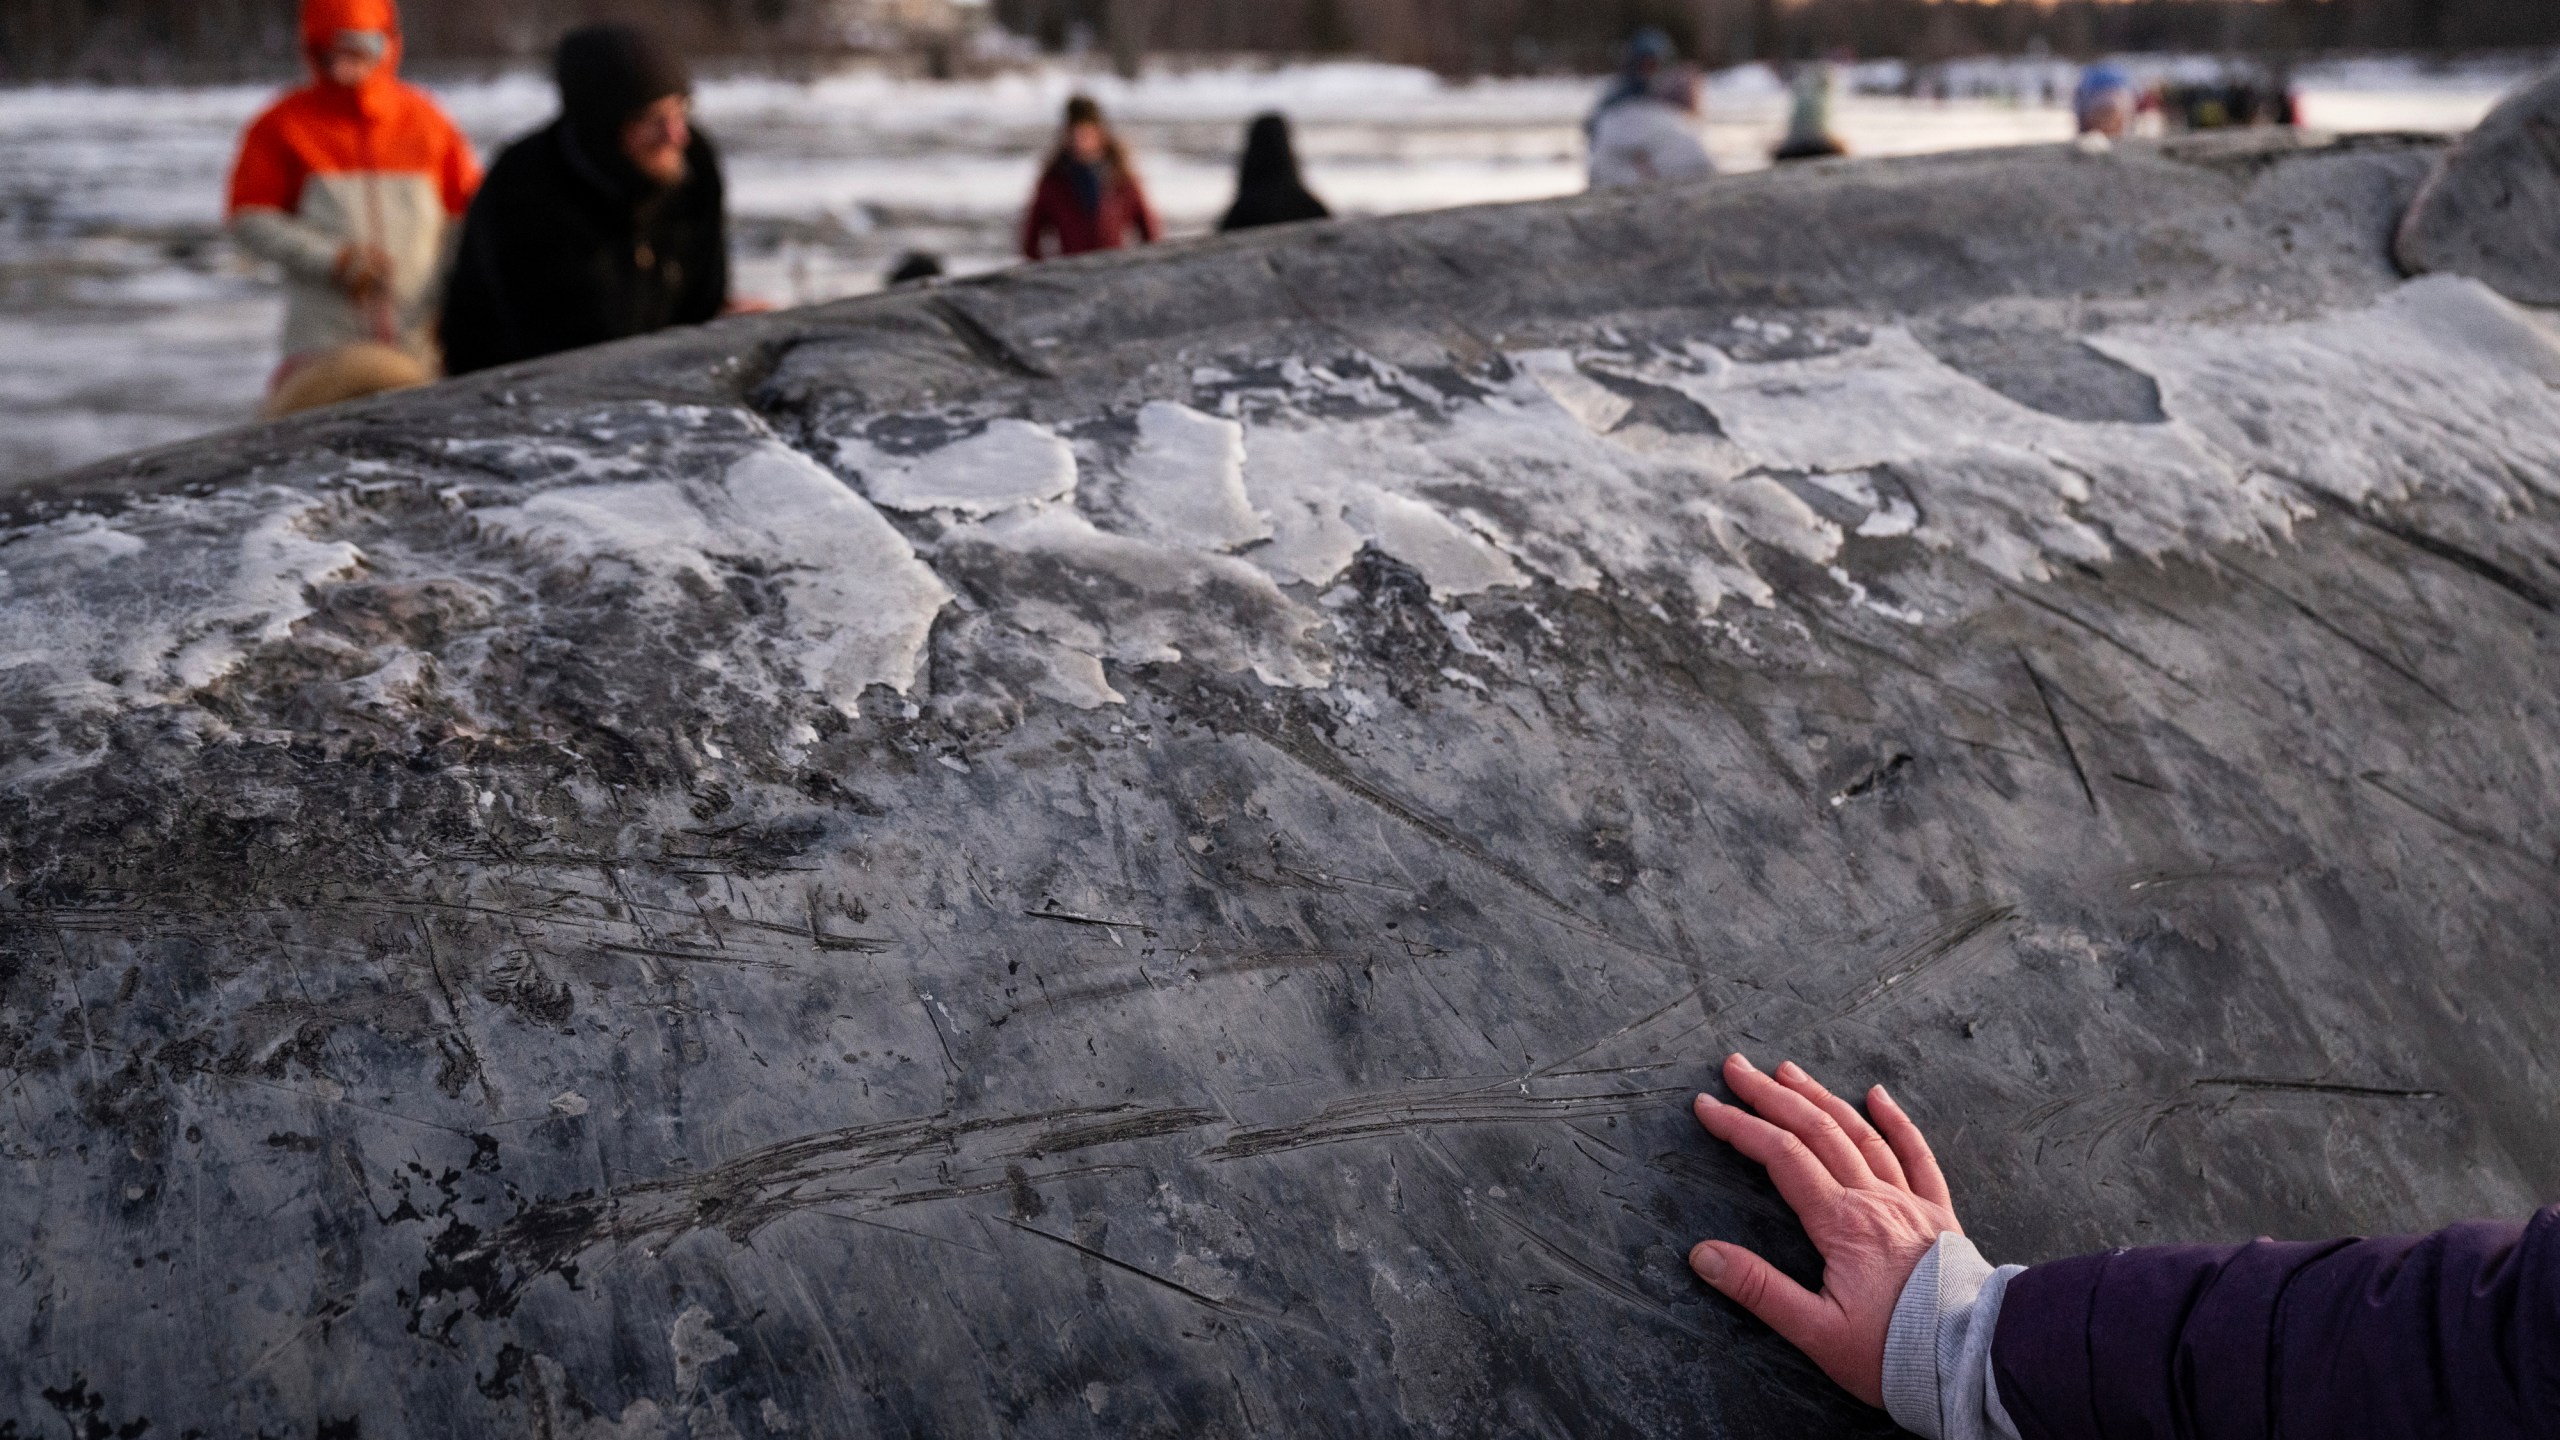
<point x="196" y="40"/>
<point x="225" y="39"/>
<point x="1510" y="36"/>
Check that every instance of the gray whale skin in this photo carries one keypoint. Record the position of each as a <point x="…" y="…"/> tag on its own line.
<point x="1156" y="845"/>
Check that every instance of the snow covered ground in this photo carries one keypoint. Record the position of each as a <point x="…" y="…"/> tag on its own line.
<point x="126" y="320"/>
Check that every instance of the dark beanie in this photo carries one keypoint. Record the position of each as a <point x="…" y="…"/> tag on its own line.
<point x="609" y="73"/>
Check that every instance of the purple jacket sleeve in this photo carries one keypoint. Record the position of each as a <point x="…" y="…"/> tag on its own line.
<point x="2451" y="1334"/>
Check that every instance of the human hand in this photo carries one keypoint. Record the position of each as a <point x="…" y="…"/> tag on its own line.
<point x="748" y="305"/>
<point x="363" y="271"/>
<point x="1870" y="1197"/>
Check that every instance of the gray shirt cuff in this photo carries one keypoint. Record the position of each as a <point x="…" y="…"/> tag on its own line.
<point x="1937" y="1352"/>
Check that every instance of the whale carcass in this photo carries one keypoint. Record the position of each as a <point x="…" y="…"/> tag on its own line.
<point x="1155" y="846"/>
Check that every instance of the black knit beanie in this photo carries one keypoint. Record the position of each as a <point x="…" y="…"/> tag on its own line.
<point x="609" y="73"/>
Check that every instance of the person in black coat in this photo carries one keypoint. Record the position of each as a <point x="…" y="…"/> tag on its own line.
<point x="608" y="222"/>
<point x="1268" y="188"/>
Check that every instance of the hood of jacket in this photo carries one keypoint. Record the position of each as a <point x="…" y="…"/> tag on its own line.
<point x="323" y="20"/>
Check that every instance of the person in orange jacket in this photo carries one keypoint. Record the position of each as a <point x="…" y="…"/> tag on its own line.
<point x="356" y="185"/>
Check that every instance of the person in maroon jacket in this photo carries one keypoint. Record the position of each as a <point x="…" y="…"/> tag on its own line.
<point x="1089" y="197"/>
<point x="2451" y="1334"/>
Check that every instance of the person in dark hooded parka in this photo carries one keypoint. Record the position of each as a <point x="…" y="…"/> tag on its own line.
<point x="1269" y="190"/>
<point x="607" y="223"/>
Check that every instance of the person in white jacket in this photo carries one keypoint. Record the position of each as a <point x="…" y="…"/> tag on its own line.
<point x="1651" y="137"/>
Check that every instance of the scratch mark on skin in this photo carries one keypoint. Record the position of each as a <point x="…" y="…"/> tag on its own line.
<point x="740" y="1196"/>
<point x="998" y="1185"/>
<point x="2365" y="648"/>
<point x="1914" y="959"/>
<point x="2069" y="751"/>
<point x="2382" y="782"/>
<point x="1142" y="1126"/>
<point x="1072" y="918"/>
<point x="1674" y="1003"/>
<point x="1369" y="1117"/>
<point x="821" y="937"/>
<point x="453" y="1009"/>
<point x="659" y="952"/>
<point x="1223" y="1307"/>
<point x="2445" y="550"/>
<point x="1576" y="1268"/>
<point x="2103" y="634"/>
<point x="981" y="340"/>
<point x="853" y="1218"/>
<point x="2137" y="882"/>
<point x="2319" y="1087"/>
<point x="1330" y="766"/>
<point x="1111" y="985"/>
<point x="71" y="982"/>
<point x="2112" y="1113"/>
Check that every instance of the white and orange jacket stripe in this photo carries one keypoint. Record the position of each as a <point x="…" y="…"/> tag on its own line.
<point x="330" y="166"/>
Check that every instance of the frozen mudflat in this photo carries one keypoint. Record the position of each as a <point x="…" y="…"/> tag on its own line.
<point x="126" y="321"/>
<point x="1155" y="846"/>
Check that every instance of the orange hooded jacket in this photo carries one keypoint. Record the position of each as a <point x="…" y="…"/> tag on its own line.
<point x="377" y="165"/>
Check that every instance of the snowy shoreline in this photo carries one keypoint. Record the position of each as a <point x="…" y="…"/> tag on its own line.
<point x="127" y="321"/>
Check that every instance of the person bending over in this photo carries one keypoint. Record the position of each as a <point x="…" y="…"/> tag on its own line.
<point x="2451" y="1334"/>
<point x="352" y="184"/>
<point x="1089" y="197"/>
<point x="607" y="223"/>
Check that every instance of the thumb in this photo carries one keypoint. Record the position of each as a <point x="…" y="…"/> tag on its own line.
<point x="1797" y="1314"/>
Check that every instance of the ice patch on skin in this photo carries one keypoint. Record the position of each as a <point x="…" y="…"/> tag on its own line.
<point x="98" y="617"/>
<point x="694" y="1346"/>
<point x="1184" y="483"/>
<point x="1599" y="408"/>
<point x="1009" y="464"/>
<point x="2011" y="487"/>
<point x="2444" y="384"/>
<point x="858" y="604"/>
<point x="1322" y="513"/>
<point x="1112" y="597"/>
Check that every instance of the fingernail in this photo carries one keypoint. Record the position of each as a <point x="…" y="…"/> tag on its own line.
<point x="1708" y="1262"/>
<point x="1745" y="1062"/>
<point x="1790" y="1070"/>
<point x="1710" y="1102"/>
<point x="1883" y="1094"/>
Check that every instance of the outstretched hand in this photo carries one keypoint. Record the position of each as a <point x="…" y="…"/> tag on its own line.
<point x="1870" y="1197"/>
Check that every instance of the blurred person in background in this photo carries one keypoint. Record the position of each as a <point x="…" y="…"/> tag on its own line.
<point x="915" y="267"/>
<point x="1647" y="52"/>
<point x="1651" y="138"/>
<point x="353" y="184"/>
<point x="2105" y="102"/>
<point x="609" y="222"/>
<point x="1089" y="197"/>
<point x="1269" y="189"/>
<point x="1809" y="134"/>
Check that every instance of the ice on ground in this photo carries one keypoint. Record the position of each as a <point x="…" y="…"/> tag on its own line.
<point x="1010" y="463"/>
<point x="858" y="603"/>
